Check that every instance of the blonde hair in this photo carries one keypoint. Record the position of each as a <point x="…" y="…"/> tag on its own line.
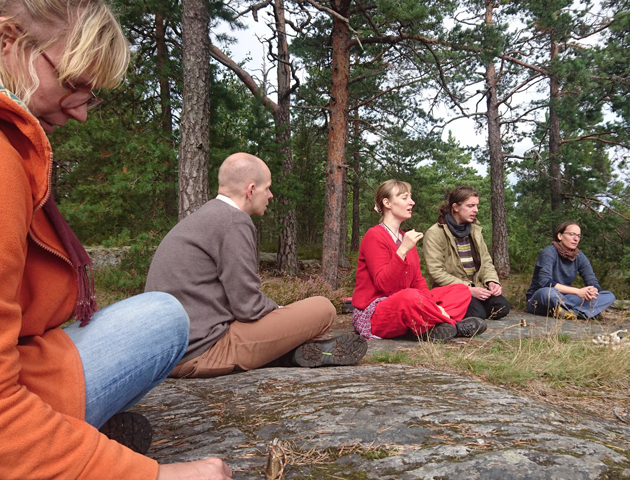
<point x="93" y="42"/>
<point x="386" y="190"/>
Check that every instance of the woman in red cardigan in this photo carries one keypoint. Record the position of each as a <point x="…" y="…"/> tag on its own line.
<point x="391" y="296"/>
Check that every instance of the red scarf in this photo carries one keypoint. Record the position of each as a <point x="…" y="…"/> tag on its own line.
<point x="86" y="300"/>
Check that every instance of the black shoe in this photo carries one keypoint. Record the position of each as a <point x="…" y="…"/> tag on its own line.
<point x="471" y="326"/>
<point x="345" y="349"/>
<point x="441" y="333"/>
<point x="129" y="429"/>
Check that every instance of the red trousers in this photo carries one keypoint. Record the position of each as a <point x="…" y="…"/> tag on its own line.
<point x="409" y="309"/>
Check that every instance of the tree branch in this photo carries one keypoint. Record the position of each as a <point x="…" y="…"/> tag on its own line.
<point x="587" y="203"/>
<point x="245" y="77"/>
<point x="596" y="137"/>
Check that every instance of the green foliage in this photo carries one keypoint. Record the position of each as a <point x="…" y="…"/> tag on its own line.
<point x="128" y="278"/>
<point x="116" y="175"/>
<point x="391" y="357"/>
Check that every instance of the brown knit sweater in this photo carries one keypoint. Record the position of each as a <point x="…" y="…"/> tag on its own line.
<point x="208" y="262"/>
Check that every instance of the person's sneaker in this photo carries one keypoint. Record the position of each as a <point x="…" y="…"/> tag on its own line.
<point x="347" y="307"/>
<point x="129" y="429"/>
<point x="345" y="349"/>
<point x="471" y="326"/>
<point x="562" y="314"/>
<point x="441" y="333"/>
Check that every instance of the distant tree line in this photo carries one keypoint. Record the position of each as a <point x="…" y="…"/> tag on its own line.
<point x="364" y="92"/>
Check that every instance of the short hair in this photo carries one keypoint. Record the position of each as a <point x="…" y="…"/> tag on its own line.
<point x="562" y="227"/>
<point x="94" y="42"/>
<point x="240" y="169"/>
<point x="458" y="196"/>
<point x="386" y="190"/>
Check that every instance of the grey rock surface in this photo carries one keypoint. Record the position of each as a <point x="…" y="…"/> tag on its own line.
<point x="106" y="257"/>
<point x="515" y="325"/>
<point x="378" y="422"/>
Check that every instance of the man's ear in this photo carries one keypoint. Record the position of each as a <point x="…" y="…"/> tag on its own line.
<point x="250" y="191"/>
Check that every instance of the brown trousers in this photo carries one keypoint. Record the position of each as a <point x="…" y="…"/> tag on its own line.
<point x="249" y="345"/>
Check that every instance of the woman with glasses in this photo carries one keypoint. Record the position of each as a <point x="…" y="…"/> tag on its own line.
<point x="59" y="385"/>
<point x="551" y="291"/>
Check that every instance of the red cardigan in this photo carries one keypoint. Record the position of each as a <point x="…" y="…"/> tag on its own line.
<point x="381" y="272"/>
<point x="42" y="392"/>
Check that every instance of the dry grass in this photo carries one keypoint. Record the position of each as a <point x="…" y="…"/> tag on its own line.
<point x="554" y="368"/>
<point x="288" y="289"/>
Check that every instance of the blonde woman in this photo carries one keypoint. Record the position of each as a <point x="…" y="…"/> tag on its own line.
<point x="59" y="385"/>
<point x="391" y="297"/>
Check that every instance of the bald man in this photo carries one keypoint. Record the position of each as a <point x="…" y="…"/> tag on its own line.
<point x="208" y="262"/>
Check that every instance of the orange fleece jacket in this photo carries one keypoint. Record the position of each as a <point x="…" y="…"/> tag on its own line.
<point x="43" y="434"/>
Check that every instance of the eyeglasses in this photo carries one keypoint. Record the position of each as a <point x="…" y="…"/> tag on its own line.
<point x="77" y="96"/>
<point x="573" y="235"/>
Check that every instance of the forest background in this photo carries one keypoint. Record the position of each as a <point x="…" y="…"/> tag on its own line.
<point x="363" y="91"/>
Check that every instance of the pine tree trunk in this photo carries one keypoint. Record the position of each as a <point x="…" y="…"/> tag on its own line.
<point x="555" y="180"/>
<point x="165" y="89"/>
<point x="287" y="241"/>
<point x="343" y="231"/>
<point x="500" y="254"/>
<point x="194" y="147"/>
<point x="337" y="139"/>
<point x="356" y="191"/>
<point x="169" y="199"/>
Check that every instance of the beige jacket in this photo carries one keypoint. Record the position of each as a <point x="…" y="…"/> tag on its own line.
<point x="443" y="263"/>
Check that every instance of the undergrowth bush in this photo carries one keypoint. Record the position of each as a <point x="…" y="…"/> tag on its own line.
<point x="128" y="278"/>
<point x="289" y="289"/>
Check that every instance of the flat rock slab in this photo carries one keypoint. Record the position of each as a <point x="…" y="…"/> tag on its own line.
<point x="378" y="422"/>
<point x="515" y="325"/>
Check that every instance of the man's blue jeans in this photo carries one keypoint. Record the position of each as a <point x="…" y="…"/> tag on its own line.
<point x="127" y="349"/>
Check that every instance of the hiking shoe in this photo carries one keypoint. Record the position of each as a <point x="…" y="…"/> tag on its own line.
<point x="129" y="429"/>
<point x="345" y="349"/>
<point x="471" y="326"/>
<point x="562" y="314"/>
<point x="441" y="333"/>
<point x="347" y="307"/>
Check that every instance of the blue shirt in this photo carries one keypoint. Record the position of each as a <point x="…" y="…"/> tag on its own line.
<point x="552" y="269"/>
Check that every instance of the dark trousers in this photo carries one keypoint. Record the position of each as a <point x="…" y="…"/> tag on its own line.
<point x="493" y="308"/>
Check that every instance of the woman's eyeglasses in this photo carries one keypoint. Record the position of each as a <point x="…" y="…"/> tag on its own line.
<point x="77" y="96"/>
<point x="573" y="235"/>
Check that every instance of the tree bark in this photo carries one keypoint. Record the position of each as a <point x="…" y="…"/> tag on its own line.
<point x="287" y="240"/>
<point x="355" y="240"/>
<point x="165" y="88"/>
<point x="337" y="139"/>
<point x="170" y="202"/>
<point x="343" y="230"/>
<point x="555" y="181"/>
<point x="194" y="147"/>
<point x="500" y="252"/>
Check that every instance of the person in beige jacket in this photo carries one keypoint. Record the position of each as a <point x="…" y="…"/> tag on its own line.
<point x="456" y="252"/>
